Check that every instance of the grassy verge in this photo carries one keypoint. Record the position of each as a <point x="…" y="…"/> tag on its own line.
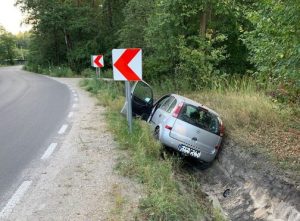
<point x="53" y="71"/>
<point x="170" y="193"/>
<point x="64" y="71"/>
<point x="255" y="122"/>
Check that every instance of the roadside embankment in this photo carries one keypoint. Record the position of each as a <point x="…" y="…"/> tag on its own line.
<point x="257" y="188"/>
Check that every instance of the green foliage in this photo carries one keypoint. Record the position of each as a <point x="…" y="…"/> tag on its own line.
<point x="7" y="46"/>
<point x="274" y="45"/>
<point x="53" y="71"/>
<point x="63" y="31"/>
<point x="202" y="42"/>
<point x="132" y="33"/>
<point x="22" y="44"/>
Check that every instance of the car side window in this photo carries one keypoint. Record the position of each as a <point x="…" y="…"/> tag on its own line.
<point x="162" y="102"/>
<point x="167" y="103"/>
<point x="171" y="107"/>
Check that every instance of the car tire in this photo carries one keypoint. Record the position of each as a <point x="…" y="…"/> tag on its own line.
<point x="205" y="165"/>
<point x="156" y="133"/>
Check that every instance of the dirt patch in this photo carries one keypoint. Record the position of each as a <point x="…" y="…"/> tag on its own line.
<point x="248" y="187"/>
<point x="79" y="182"/>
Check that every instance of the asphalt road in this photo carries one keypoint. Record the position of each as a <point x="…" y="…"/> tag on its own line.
<point x="32" y="109"/>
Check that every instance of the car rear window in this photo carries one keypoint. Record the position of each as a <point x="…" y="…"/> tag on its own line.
<point x="200" y="117"/>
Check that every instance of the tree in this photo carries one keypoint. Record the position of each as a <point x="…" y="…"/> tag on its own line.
<point x="274" y="45"/>
<point x="7" y="46"/>
<point x="63" y="31"/>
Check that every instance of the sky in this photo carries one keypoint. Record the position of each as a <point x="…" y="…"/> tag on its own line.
<point x="11" y="17"/>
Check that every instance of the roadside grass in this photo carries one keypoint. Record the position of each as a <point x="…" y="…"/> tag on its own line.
<point x="170" y="193"/>
<point x="65" y="71"/>
<point x="254" y="121"/>
<point x="53" y="71"/>
<point x="91" y="73"/>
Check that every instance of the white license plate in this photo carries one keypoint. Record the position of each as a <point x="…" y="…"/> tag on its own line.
<point x="189" y="151"/>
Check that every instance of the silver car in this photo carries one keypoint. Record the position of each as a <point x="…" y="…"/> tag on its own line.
<point x="180" y="123"/>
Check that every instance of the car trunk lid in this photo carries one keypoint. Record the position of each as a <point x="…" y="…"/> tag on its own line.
<point x="197" y="128"/>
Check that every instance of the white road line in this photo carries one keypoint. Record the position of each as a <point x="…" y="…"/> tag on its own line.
<point x="75" y="95"/>
<point x="75" y="99"/>
<point x="73" y="91"/>
<point x="49" y="151"/>
<point x="14" y="200"/>
<point x="74" y="105"/>
<point x="70" y="114"/>
<point x="63" y="129"/>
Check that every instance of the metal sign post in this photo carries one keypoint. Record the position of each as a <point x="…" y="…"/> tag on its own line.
<point x="98" y="72"/>
<point x="127" y="66"/>
<point x="129" y="105"/>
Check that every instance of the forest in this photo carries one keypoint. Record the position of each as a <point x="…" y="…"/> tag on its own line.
<point x="204" y="43"/>
<point x="13" y="48"/>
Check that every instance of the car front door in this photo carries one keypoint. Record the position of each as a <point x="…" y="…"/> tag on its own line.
<point x="142" y="99"/>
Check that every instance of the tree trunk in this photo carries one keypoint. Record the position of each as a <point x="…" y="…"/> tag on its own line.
<point x="204" y="18"/>
<point x="110" y="17"/>
<point x="67" y="40"/>
<point x="69" y="48"/>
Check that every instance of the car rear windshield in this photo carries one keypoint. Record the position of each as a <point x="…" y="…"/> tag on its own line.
<point x="200" y="117"/>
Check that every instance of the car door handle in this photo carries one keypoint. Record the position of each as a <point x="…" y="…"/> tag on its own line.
<point x="194" y="138"/>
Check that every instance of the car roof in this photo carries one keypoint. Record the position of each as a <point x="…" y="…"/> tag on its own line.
<point x="189" y="101"/>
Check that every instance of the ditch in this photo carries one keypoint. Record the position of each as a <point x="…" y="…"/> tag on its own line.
<point x="247" y="187"/>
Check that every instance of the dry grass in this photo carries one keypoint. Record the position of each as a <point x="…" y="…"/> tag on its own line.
<point x="253" y="120"/>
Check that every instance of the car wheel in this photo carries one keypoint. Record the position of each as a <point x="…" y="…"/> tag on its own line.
<point x="205" y="165"/>
<point x="156" y="133"/>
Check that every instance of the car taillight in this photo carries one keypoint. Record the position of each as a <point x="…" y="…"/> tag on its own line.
<point x="222" y="129"/>
<point x="168" y="127"/>
<point x="177" y="110"/>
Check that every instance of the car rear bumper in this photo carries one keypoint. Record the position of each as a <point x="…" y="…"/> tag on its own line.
<point x="174" y="143"/>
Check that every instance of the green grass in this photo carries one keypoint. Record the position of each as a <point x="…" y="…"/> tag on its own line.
<point x="170" y="193"/>
<point x="53" y="71"/>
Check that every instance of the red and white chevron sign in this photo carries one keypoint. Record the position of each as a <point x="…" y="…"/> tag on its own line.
<point x="97" y="61"/>
<point x="127" y="64"/>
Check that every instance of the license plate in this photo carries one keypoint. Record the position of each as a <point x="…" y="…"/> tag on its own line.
<point x="189" y="151"/>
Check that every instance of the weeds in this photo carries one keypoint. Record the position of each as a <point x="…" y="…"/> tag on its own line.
<point x="53" y="71"/>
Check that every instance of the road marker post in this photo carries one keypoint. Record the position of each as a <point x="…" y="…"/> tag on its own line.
<point x="127" y="66"/>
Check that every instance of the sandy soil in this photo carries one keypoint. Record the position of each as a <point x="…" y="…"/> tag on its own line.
<point x="256" y="190"/>
<point x="78" y="182"/>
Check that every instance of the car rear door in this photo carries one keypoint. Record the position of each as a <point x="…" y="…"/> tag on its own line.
<point x="160" y="109"/>
<point x="191" y="129"/>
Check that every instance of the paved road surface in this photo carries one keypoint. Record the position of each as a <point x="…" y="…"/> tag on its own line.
<point x="32" y="109"/>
